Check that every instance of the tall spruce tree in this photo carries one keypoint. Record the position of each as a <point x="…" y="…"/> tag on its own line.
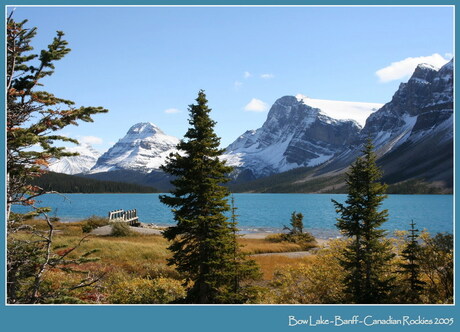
<point x="410" y="267"/>
<point x="203" y="240"/>
<point x="366" y="259"/>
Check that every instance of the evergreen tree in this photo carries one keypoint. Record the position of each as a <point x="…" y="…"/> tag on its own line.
<point x="296" y="224"/>
<point x="366" y="259"/>
<point x="33" y="116"/>
<point x="411" y="267"/>
<point x="203" y="241"/>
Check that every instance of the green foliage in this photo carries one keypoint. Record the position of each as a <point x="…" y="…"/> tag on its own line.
<point x="296" y="234"/>
<point x="305" y="180"/>
<point x="367" y="258"/>
<point x="318" y="282"/>
<point x="93" y="222"/>
<point x="203" y="241"/>
<point x="298" y="180"/>
<point x="415" y="186"/>
<point x="410" y="267"/>
<point x="33" y="115"/>
<point x="31" y="255"/>
<point x="296" y="224"/>
<point x="437" y="265"/>
<point x="146" y="291"/>
<point x="120" y="229"/>
<point x="32" y="120"/>
<point x="65" y="183"/>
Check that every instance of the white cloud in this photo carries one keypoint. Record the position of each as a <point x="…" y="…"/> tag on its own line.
<point x="267" y="76"/>
<point x="247" y="74"/>
<point x="256" y="105"/>
<point x="172" y="111"/>
<point x="90" y="140"/>
<point x="405" y="68"/>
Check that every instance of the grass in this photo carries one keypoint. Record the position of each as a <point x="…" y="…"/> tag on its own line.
<point x="261" y="246"/>
<point x="138" y="256"/>
<point x="271" y="263"/>
<point x="139" y="253"/>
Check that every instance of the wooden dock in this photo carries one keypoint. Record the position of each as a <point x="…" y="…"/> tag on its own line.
<point x="130" y="217"/>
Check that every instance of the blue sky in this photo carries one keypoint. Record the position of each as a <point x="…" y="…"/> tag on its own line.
<point x="148" y="64"/>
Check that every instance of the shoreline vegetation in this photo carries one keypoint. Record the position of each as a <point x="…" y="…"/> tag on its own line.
<point x="134" y="266"/>
<point x="75" y="184"/>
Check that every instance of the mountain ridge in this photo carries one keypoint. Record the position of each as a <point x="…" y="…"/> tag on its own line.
<point x="412" y="133"/>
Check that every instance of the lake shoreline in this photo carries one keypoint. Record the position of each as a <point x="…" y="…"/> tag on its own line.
<point x="151" y="229"/>
<point x="262" y="213"/>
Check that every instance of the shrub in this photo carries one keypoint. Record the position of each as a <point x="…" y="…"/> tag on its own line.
<point x="296" y="234"/>
<point x="120" y="229"/>
<point x="147" y="291"/>
<point x="93" y="222"/>
<point x="276" y="238"/>
<point x="316" y="282"/>
<point x="305" y="240"/>
<point x="437" y="267"/>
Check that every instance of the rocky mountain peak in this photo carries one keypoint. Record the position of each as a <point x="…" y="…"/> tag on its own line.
<point x="144" y="129"/>
<point x="424" y="74"/>
<point x="424" y="102"/>
<point x="286" y="101"/>
<point x="294" y="134"/>
<point x="144" y="148"/>
<point x="287" y="111"/>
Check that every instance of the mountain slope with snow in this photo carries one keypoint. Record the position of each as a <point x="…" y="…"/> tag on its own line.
<point x="342" y="110"/>
<point x="418" y="126"/>
<point x="144" y="148"/>
<point x="296" y="134"/>
<point x="76" y="164"/>
<point x="413" y="136"/>
<point x="419" y="105"/>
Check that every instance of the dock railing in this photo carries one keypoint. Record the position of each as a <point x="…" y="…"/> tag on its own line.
<point x="130" y="217"/>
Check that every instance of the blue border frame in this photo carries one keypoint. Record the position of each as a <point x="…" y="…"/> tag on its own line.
<point x="202" y="318"/>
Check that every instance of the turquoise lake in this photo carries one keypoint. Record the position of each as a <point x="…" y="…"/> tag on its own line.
<point x="264" y="212"/>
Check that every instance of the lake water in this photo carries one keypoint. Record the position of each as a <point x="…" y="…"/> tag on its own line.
<point x="264" y="212"/>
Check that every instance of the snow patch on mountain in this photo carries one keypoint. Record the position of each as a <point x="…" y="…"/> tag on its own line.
<point x="342" y="110"/>
<point x="76" y="164"/>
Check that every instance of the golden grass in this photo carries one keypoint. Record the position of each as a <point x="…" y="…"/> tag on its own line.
<point x="259" y="246"/>
<point x="141" y="255"/>
<point x="115" y="249"/>
<point x="269" y="264"/>
<point x="146" y="255"/>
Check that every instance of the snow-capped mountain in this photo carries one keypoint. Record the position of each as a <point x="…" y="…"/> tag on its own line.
<point x="77" y="164"/>
<point x="144" y="148"/>
<point x="413" y="133"/>
<point x="296" y="134"/>
<point x="416" y="109"/>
